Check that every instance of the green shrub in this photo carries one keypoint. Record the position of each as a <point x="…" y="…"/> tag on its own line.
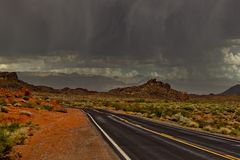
<point x="188" y="108"/>
<point x="30" y="105"/>
<point x="225" y="130"/>
<point x="26" y="98"/>
<point x="106" y="103"/>
<point x="12" y="134"/>
<point x="3" y="103"/>
<point x="208" y="128"/>
<point x="203" y="123"/>
<point x="47" y="99"/>
<point x="117" y="106"/>
<point x="236" y="132"/>
<point x="157" y="111"/>
<point x="140" y="100"/>
<point x="49" y="108"/>
<point x="18" y="137"/>
<point x="11" y="127"/>
<point x="5" y="143"/>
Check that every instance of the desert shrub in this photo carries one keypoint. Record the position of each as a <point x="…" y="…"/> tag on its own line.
<point x="151" y="115"/>
<point x="26" y="98"/>
<point x="26" y="113"/>
<point x="18" y="137"/>
<point x="117" y="106"/>
<point x="12" y="127"/>
<point x="185" y="113"/>
<point x="61" y="110"/>
<point x="221" y="123"/>
<point x="49" y="108"/>
<point x="10" y="135"/>
<point x="180" y="119"/>
<point x="176" y="117"/>
<point x="17" y="104"/>
<point x="184" y="120"/>
<point x="47" y="99"/>
<point x="106" y="103"/>
<point x="140" y="100"/>
<point x="27" y="105"/>
<point x="225" y="130"/>
<point x="156" y="111"/>
<point x="168" y="111"/>
<point x="230" y="109"/>
<point x="236" y="132"/>
<point x="88" y="106"/>
<point x="202" y="123"/>
<point x="134" y="108"/>
<point x="4" y="109"/>
<point x="208" y="128"/>
<point x="3" y="103"/>
<point x="192" y="124"/>
<point x="188" y="108"/>
<point x="5" y="143"/>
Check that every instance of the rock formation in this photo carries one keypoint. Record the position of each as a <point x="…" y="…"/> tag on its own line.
<point x="151" y="89"/>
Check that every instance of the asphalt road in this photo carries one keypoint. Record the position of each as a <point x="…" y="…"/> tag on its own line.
<point x="140" y="139"/>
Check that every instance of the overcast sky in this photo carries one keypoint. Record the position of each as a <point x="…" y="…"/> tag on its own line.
<point x="193" y="44"/>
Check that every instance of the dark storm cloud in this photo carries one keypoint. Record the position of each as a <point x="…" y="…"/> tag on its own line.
<point x="114" y="27"/>
<point x="188" y="34"/>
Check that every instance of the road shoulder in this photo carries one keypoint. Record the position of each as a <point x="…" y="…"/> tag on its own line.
<point x="69" y="136"/>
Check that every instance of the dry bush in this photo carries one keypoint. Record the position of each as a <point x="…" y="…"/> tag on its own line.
<point x="27" y="113"/>
<point x="18" y="137"/>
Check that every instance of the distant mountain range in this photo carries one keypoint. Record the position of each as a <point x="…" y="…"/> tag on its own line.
<point x="234" y="90"/>
<point x="150" y="89"/>
<point x="10" y="80"/>
<point x="61" y="80"/>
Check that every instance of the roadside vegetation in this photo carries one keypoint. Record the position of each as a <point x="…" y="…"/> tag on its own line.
<point x="213" y="117"/>
<point x="212" y="114"/>
<point x="12" y="134"/>
<point x="16" y="107"/>
<point x="23" y="98"/>
<point x="216" y="114"/>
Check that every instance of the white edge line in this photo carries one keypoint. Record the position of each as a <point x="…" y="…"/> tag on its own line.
<point x="110" y="139"/>
<point x="83" y="111"/>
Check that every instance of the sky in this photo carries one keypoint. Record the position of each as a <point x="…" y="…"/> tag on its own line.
<point x="192" y="44"/>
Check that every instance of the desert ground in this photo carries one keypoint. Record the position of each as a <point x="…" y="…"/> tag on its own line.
<point x="41" y="129"/>
<point x="40" y="123"/>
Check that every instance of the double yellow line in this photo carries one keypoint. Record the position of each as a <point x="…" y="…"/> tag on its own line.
<point x="229" y="157"/>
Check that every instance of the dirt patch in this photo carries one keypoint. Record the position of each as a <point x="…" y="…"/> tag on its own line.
<point x="64" y="136"/>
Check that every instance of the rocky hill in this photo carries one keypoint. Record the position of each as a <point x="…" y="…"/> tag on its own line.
<point x="8" y="76"/>
<point x="10" y="80"/>
<point x="234" y="90"/>
<point x="151" y="89"/>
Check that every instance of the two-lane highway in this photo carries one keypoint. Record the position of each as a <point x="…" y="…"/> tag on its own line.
<point x="137" y="138"/>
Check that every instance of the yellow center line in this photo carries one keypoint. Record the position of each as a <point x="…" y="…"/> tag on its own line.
<point x="229" y="157"/>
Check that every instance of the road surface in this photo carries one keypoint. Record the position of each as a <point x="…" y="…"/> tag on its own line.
<point x="140" y="139"/>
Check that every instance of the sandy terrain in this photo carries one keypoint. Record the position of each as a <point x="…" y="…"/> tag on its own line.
<point x="64" y="136"/>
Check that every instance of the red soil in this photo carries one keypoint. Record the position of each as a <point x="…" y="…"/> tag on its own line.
<point x="64" y="136"/>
